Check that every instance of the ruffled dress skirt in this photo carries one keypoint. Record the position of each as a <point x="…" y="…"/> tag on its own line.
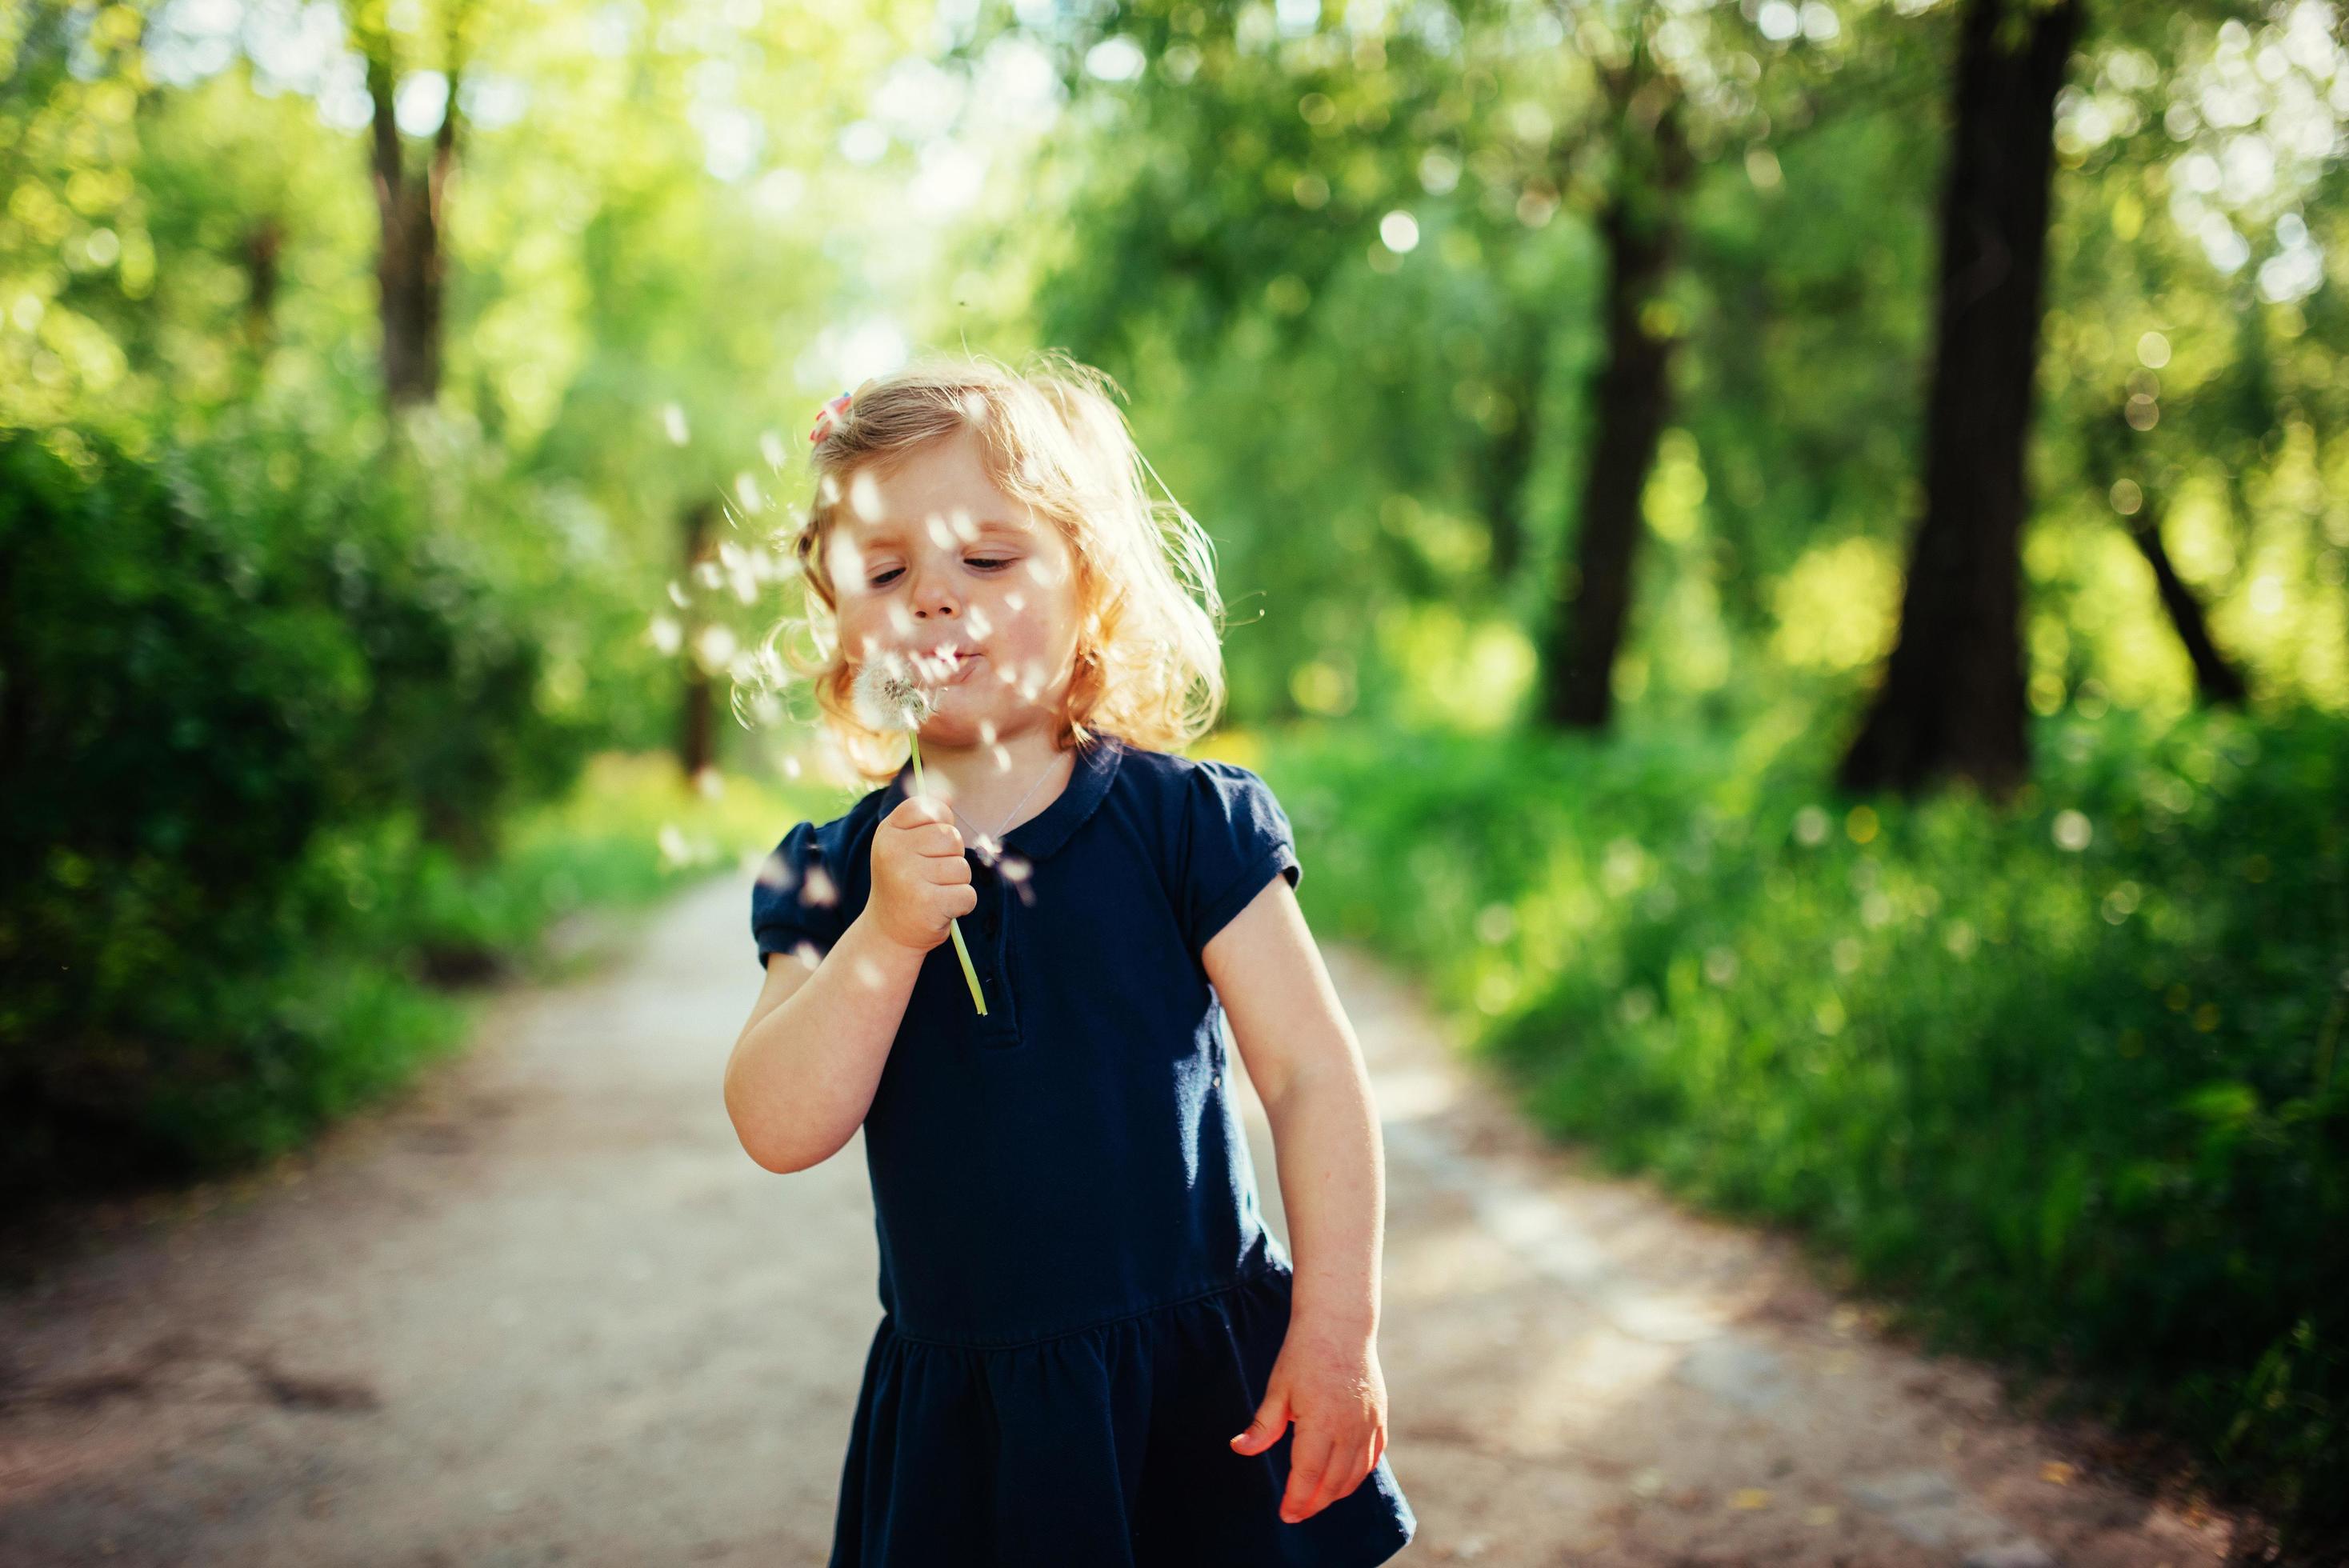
<point x="1105" y="1447"/>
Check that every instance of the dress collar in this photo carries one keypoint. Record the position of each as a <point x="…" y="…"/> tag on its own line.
<point x="1041" y="834"/>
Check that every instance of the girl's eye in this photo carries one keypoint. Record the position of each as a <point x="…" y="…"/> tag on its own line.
<point x="985" y="563"/>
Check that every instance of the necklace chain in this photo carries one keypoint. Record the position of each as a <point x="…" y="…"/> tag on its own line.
<point x="997" y="837"/>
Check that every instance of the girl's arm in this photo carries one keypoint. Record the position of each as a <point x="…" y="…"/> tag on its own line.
<point x="1307" y="1067"/>
<point x="805" y="1067"/>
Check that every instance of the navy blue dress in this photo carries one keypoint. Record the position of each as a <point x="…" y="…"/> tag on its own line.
<point x="1081" y="1306"/>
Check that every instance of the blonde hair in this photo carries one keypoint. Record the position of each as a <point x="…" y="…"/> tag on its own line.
<point x="1149" y="657"/>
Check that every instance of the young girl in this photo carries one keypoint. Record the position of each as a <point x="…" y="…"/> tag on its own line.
<point x="1091" y="1354"/>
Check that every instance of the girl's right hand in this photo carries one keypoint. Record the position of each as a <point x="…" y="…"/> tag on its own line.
<point x="920" y="879"/>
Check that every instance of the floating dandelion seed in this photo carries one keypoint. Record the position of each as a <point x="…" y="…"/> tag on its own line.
<point x="890" y="694"/>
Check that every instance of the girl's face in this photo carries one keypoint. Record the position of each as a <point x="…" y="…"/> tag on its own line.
<point x="932" y="558"/>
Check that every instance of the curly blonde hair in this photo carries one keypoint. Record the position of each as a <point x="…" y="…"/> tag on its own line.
<point x="1149" y="656"/>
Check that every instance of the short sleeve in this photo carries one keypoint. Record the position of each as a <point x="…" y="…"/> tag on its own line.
<point x="1238" y="840"/>
<point x="796" y="899"/>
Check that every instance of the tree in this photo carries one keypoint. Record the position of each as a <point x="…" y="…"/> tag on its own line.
<point x="1952" y="701"/>
<point x="410" y="267"/>
<point x="1630" y="389"/>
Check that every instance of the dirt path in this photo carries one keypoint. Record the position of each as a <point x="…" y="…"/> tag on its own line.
<point x="546" y="1311"/>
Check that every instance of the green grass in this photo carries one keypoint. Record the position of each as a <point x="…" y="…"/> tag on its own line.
<point x="2063" y="1076"/>
<point x="365" y="978"/>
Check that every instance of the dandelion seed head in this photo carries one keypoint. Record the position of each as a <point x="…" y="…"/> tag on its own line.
<point x="890" y="696"/>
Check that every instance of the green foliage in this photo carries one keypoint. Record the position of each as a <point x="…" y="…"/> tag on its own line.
<point x="205" y="661"/>
<point x="282" y="676"/>
<point x="2067" y="1076"/>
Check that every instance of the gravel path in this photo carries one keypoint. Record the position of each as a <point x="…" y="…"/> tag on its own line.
<point x="545" y="1310"/>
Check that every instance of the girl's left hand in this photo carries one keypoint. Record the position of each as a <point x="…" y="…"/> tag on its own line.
<point x="1330" y="1385"/>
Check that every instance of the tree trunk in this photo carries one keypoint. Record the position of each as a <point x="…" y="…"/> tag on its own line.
<point x="410" y="264"/>
<point x="1952" y="698"/>
<point x="263" y="242"/>
<point x="697" y="738"/>
<point x="1631" y="396"/>
<point x="2217" y="681"/>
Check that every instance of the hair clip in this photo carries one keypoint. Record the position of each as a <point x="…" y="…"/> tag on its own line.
<point x="828" y="416"/>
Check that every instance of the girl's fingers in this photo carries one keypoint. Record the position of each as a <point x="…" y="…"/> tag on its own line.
<point x="1345" y="1473"/>
<point x="1312" y="1460"/>
<point x="1265" y="1431"/>
<point x="1339" y="1477"/>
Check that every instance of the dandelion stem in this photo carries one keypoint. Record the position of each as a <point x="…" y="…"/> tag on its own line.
<point x="954" y="926"/>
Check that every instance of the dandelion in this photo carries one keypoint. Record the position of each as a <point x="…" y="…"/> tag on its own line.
<point x="890" y="694"/>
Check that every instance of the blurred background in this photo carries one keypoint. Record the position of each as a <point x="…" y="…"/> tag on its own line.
<point x="1786" y="560"/>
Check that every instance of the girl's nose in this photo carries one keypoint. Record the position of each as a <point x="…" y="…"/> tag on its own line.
<point x="933" y="594"/>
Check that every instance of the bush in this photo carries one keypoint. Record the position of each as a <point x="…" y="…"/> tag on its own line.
<point x="206" y="658"/>
<point x="2067" y="1075"/>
